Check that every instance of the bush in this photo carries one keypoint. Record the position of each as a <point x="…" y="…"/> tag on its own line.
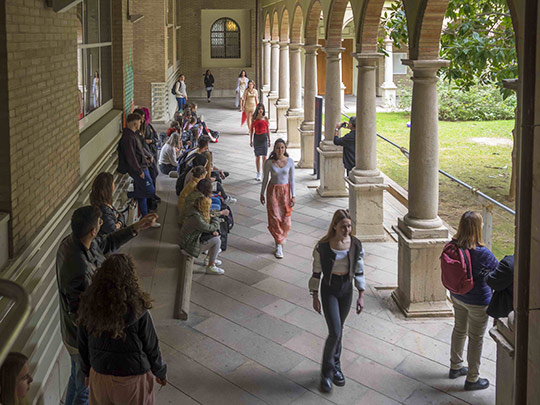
<point x="480" y="103"/>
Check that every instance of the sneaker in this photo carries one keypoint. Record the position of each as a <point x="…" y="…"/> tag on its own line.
<point x="173" y="174"/>
<point x="480" y="384"/>
<point x="279" y="251"/>
<point x="217" y="262"/>
<point x="214" y="270"/>
<point x="230" y="200"/>
<point x="259" y="176"/>
<point x="155" y="225"/>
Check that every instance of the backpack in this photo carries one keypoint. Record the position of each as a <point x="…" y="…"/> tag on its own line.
<point x="173" y="90"/>
<point x="456" y="269"/>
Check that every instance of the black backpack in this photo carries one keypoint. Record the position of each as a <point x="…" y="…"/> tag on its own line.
<point x="173" y="90"/>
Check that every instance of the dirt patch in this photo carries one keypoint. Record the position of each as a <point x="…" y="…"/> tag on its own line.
<point x="494" y="141"/>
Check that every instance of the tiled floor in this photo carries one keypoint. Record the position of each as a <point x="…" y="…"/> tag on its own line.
<point x="252" y="336"/>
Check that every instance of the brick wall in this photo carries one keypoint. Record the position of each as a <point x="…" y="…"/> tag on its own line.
<point x="43" y="109"/>
<point x="5" y="172"/>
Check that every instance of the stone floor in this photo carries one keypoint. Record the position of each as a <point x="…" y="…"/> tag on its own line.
<point x="252" y="336"/>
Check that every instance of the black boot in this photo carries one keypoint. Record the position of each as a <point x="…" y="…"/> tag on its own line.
<point x="339" y="378"/>
<point x="326" y="384"/>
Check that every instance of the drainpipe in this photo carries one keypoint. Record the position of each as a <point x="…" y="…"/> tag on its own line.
<point x="525" y="202"/>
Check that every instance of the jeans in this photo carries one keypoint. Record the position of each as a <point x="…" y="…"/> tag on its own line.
<point x="77" y="393"/>
<point x="336" y="300"/>
<point x="144" y="188"/>
<point x="472" y="321"/>
<point x="181" y="103"/>
<point x="208" y="94"/>
<point x="166" y="168"/>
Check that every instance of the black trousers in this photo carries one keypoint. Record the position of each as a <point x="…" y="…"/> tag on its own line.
<point x="336" y="301"/>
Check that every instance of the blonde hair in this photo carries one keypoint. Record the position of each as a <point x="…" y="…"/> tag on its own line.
<point x="339" y="216"/>
<point x="469" y="233"/>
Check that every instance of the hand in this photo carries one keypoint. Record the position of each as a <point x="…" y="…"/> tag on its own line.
<point x="360" y="302"/>
<point x="118" y="225"/>
<point x="141" y="175"/>
<point x="338" y="127"/>
<point x="146" y="222"/>
<point x="222" y="175"/>
<point x="148" y="141"/>
<point x="251" y="144"/>
<point x="262" y="199"/>
<point x="215" y="233"/>
<point x="269" y="145"/>
<point x="161" y="382"/>
<point x="316" y="303"/>
<point x="293" y="201"/>
<point x="151" y="160"/>
<point x="225" y="212"/>
<point x="86" y="382"/>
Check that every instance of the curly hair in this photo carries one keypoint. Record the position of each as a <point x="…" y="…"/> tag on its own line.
<point x="114" y="293"/>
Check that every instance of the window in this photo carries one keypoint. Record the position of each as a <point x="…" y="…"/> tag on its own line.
<point x="399" y="68"/>
<point x="225" y="39"/>
<point x="94" y="55"/>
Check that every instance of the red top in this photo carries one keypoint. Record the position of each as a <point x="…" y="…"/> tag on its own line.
<point x="261" y="126"/>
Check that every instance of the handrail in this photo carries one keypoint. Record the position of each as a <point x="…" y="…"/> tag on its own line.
<point x="16" y="316"/>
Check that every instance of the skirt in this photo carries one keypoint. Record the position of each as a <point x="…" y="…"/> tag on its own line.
<point x="260" y="144"/>
<point x="112" y="390"/>
<point x="278" y="205"/>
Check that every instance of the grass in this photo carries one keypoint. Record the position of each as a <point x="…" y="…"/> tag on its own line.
<point x="484" y="166"/>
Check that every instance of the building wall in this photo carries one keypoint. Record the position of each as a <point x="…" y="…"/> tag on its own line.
<point x="43" y="108"/>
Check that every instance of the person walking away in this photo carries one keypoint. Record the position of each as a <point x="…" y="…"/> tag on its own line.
<point x="249" y="103"/>
<point x="101" y="197"/>
<point x="470" y="317"/>
<point x="259" y="139"/>
<point x="241" y="85"/>
<point x="209" y="84"/>
<point x="280" y="195"/>
<point x="180" y="92"/>
<point x="117" y="339"/>
<point x="348" y="142"/>
<point x="339" y="258"/>
<point x="15" y="379"/>
<point x="170" y="152"/>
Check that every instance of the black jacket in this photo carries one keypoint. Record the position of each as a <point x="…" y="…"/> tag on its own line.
<point x="132" y="152"/>
<point x="110" y="217"/>
<point x="75" y="266"/>
<point x="135" y="355"/>
<point x="349" y="144"/>
<point x="208" y="80"/>
<point x="501" y="280"/>
<point x="356" y="262"/>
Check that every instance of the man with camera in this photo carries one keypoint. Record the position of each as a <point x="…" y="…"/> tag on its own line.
<point x="348" y="142"/>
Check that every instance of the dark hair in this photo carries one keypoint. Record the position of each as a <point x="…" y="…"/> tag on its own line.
<point x="114" y="294"/>
<point x="199" y="159"/>
<point x="84" y="219"/>
<point x="141" y="113"/>
<point x="260" y="105"/>
<point x="192" y="120"/>
<point x="133" y="117"/>
<point x="205" y="187"/>
<point x="245" y="73"/>
<point x="180" y="75"/>
<point x="102" y="190"/>
<point x="273" y="155"/>
<point x="174" y="124"/>
<point x="198" y="171"/>
<point x="9" y="372"/>
<point x="203" y="141"/>
<point x="193" y="105"/>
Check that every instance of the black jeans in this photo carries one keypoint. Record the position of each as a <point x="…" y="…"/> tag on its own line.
<point x="166" y="168"/>
<point x="336" y="301"/>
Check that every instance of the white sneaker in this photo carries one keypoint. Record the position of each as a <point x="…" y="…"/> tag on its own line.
<point x="217" y="262"/>
<point x="230" y="200"/>
<point x="214" y="270"/>
<point x="156" y="225"/>
<point x="279" y="251"/>
<point x="258" y="177"/>
<point x="173" y="174"/>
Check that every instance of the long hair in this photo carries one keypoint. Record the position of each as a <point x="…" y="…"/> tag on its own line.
<point x="174" y="140"/>
<point x="102" y="190"/>
<point x="206" y="73"/>
<point x="260" y="105"/>
<point x="114" y="293"/>
<point x="245" y="74"/>
<point x="9" y="372"/>
<point x="339" y="216"/>
<point x="469" y="233"/>
<point x="273" y="154"/>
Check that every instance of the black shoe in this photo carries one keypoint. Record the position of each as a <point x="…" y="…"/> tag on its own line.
<point x="481" y="384"/>
<point x="326" y="384"/>
<point x="339" y="378"/>
<point x="158" y="200"/>
<point x="453" y="374"/>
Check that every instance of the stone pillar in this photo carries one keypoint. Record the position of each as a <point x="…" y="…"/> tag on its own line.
<point x="331" y="156"/>
<point x="282" y="103"/>
<point x="266" y="61"/>
<point x="274" y="83"/>
<point x="421" y="232"/>
<point x="366" y="185"/>
<point x="388" y="87"/>
<point x="295" y="113"/>
<point x="307" y="148"/>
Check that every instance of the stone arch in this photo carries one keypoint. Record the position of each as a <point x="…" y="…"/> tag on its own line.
<point x="284" y="25"/>
<point x="296" y="24"/>
<point x="312" y="23"/>
<point x="267" y="26"/>
<point x="368" y="26"/>
<point x="275" y="27"/>
<point x="334" y="25"/>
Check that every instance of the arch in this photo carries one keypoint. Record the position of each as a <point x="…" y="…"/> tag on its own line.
<point x="296" y="24"/>
<point x="334" y="25"/>
<point x="284" y="25"/>
<point x="267" y="26"/>
<point x="312" y="23"/>
<point x="275" y="27"/>
<point x="368" y="26"/>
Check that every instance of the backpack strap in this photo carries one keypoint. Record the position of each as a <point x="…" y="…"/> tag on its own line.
<point x="467" y="263"/>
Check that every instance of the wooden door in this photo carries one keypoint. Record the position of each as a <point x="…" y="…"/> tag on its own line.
<point x="321" y="69"/>
<point x="347" y="65"/>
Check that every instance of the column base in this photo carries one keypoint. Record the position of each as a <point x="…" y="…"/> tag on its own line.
<point x="366" y="207"/>
<point x="420" y="292"/>
<point x="294" y="119"/>
<point x="307" y="148"/>
<point x="281" y="111"/>
<point x="332" y="171"/>
<point x="389" y="95"/>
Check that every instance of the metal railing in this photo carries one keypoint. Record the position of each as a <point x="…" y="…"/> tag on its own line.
<point x="486" y="201"/>
<point x="14" y="317"/>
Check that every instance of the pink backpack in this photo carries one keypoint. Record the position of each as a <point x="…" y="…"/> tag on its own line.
<point x="456" y="269"/>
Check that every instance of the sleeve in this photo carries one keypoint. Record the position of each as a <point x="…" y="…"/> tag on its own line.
<point x="111" y="242"/>
<point x="109" y="221"/>
<point x="128" y="146"/>
<point x="338" y="141"/>
<point x="82" y="344"/>
<point x="359" y="278"/>
<point x="177" y="89"/>
<point x="150" y="346"/>
<point x="315" y="279"/>
<point x="238" y="85"/>
<point x="503" y="276"/>
<point x="266" y="177"/>
<point x="291" y="177"/>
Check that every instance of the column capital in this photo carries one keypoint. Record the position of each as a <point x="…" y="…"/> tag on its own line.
<point x="367" y="59"/>
<point x="274" y="42"/>
<point x="333" y="51"/>
<point x="283" y="44"/>
<point x="266" y="41"/>
<point x="425" y="67"/>
<point x="295" y="46"/>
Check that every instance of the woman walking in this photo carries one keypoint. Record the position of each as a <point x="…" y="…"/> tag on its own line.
<point x="470" y="317"/>
<point x="241" y="85"/>
<point x="209" y="84"/>
<point x="101" y="196"/>
<point x="15" y="379"/>
<point x="259" y="138"/>
<point x="249" y="102"/>
<point x="116" y="337"/>
<point x="280" y="195"/>
<point x="339" y="257"/>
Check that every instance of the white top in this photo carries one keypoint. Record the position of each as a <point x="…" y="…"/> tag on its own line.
<point x="241" y="84"/>
<point x="168" y="155"/>
<point x="341" y="264"/>
<point x="278" y="175"/>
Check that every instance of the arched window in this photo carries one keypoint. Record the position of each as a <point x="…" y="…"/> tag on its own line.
<point x="225" y="39"/>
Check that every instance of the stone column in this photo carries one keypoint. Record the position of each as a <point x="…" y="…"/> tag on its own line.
<point x="282" y="103"/>
<point x="366" y="185"/>
<point x="307" y="148"/>
<point x="421" y="232"/>
<point x="331" y="156"/>
<point x="388" y="87"/>
<point x="295" y="113"/>
<point x="274" y="83"/>
<point x="266" y="71"/>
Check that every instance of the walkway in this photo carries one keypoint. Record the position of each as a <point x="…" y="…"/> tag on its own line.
<point x="252" y="336"/>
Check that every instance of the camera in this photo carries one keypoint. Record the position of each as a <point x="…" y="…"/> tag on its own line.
<point x="343" y="125"/>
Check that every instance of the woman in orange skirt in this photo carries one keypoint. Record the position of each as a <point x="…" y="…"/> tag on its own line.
<point x="280" y="194"/>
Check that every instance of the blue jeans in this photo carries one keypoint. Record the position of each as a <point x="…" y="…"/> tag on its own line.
<point x="77" y="393"/>
<point x="144" y="188"/>
<point x="181" y="102"/>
